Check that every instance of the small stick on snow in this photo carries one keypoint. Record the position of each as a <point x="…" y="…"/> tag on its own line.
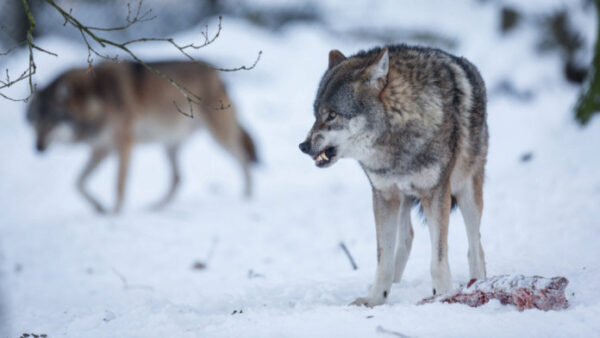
<point x="347" y="252"/>
<point x="201" y="265"/>
<point x="211" y="250"/>
<point x="126" y="285"/>
<point x="380" y="329"/>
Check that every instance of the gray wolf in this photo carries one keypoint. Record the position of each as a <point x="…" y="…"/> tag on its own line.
<point x="114" y="106"/>
<point x="415" y="120"/>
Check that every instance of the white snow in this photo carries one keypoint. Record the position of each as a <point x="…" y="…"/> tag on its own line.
<point x="276" y="260"/>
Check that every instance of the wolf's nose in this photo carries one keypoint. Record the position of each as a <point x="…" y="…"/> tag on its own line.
<point x="304" y="147"/>
<point x="40" y="146"/>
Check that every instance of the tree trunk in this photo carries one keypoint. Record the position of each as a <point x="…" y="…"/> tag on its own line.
<point x="589" y="99"/>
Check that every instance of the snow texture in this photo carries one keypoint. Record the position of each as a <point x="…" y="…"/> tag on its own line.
<point x="215" y="265"/>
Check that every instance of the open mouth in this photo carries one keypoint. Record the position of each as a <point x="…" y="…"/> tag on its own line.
<point x="324" y="158"/>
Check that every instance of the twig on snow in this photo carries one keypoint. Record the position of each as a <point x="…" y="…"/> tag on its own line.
<point x="126" y="284"/>
<point x="201" y="265"/>
<point x="380" y="329"/>
<point x="347" y="252"/>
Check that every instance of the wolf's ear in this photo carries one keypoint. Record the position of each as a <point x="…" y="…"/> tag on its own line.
<point x="335" y="57"/>
<point x="377" y="72"/>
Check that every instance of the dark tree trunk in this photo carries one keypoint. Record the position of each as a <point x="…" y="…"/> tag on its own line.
<point x="589" y="99"/>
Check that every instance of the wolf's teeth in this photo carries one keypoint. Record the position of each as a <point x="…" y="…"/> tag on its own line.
<point x="325" y="156"/>
<point x="320" y="158"/>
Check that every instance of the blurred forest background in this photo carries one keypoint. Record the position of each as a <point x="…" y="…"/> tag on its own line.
<point x="558" y="31"/>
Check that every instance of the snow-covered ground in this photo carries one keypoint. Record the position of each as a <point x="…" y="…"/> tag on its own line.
<point x="274" y="267"/>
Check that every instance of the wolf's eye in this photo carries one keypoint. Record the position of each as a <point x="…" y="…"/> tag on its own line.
<point x="332" y="115"/>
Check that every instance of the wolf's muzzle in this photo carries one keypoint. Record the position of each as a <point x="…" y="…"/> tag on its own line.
<point x="304" y="147"/>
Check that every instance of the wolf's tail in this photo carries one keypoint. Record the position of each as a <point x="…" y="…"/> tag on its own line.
<point x="249" y="147"/>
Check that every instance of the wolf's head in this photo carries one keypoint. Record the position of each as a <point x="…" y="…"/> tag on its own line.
<point x="65" y="111"/>
<point x="349" y="113"/>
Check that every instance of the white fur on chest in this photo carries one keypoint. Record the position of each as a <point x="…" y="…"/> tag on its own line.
<point x="62" y="133"/>
<point x="407" y="184"/>
<point x="154" y="130"/>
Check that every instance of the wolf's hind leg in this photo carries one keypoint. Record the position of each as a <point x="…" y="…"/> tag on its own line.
<point x="230" y="138"/>
<point x="470" y="202"/>
<point x="248" y="190"/>
<point x="437" y="212"/>
<point x="405" y="237"/>
<point x="172" y="152"/>
<point x="98" y="155"/>
<point x="385" y="207"/>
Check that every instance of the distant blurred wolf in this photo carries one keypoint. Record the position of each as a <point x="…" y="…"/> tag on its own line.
<point x="113" y="106"/>
<point x="415" y="119"/>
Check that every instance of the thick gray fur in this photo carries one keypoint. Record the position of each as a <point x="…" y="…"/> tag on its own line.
<point x="415" y="119"/>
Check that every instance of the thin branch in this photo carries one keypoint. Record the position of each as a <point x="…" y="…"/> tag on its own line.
<point x="347" y="252"/>
<point x="241" y="67"/>
<point x="207" y="40"/>
<point x="8" y="51"/>
<point x="9" y="82"/>
<point x="89" y="35"/>
<point x="190" y="97"/>
<point x="130" y="21"/>
<point x="127" y="286"/>
<point x="32" y="66"/>
<point x="211" y="250"/>
<point x="381" y="329"/>
<point x="25" y="99"/>
<point x="34" y="46"/>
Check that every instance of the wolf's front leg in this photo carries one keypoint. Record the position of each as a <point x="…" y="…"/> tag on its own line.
<point x="470" y="202"/>
<point x="98" y="155"/>
<point x="437" y="211"/>
<point x="124" y="149"/>
<point x="405" y="237"/>
<point x="385" y="206"/>
<point x="172" y="151"/>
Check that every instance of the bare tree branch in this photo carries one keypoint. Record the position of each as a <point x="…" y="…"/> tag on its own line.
<point x="130" y="21"/>
<point x="91" y="38"/>
<point x="31" y="68"/>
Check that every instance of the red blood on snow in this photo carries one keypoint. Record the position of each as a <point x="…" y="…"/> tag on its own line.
<point x="521" y="291"/>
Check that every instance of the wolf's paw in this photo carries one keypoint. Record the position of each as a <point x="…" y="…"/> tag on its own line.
<point x="100" y="209"/>
<point x="441" y="287"/>
<point x="368" y="302"/>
